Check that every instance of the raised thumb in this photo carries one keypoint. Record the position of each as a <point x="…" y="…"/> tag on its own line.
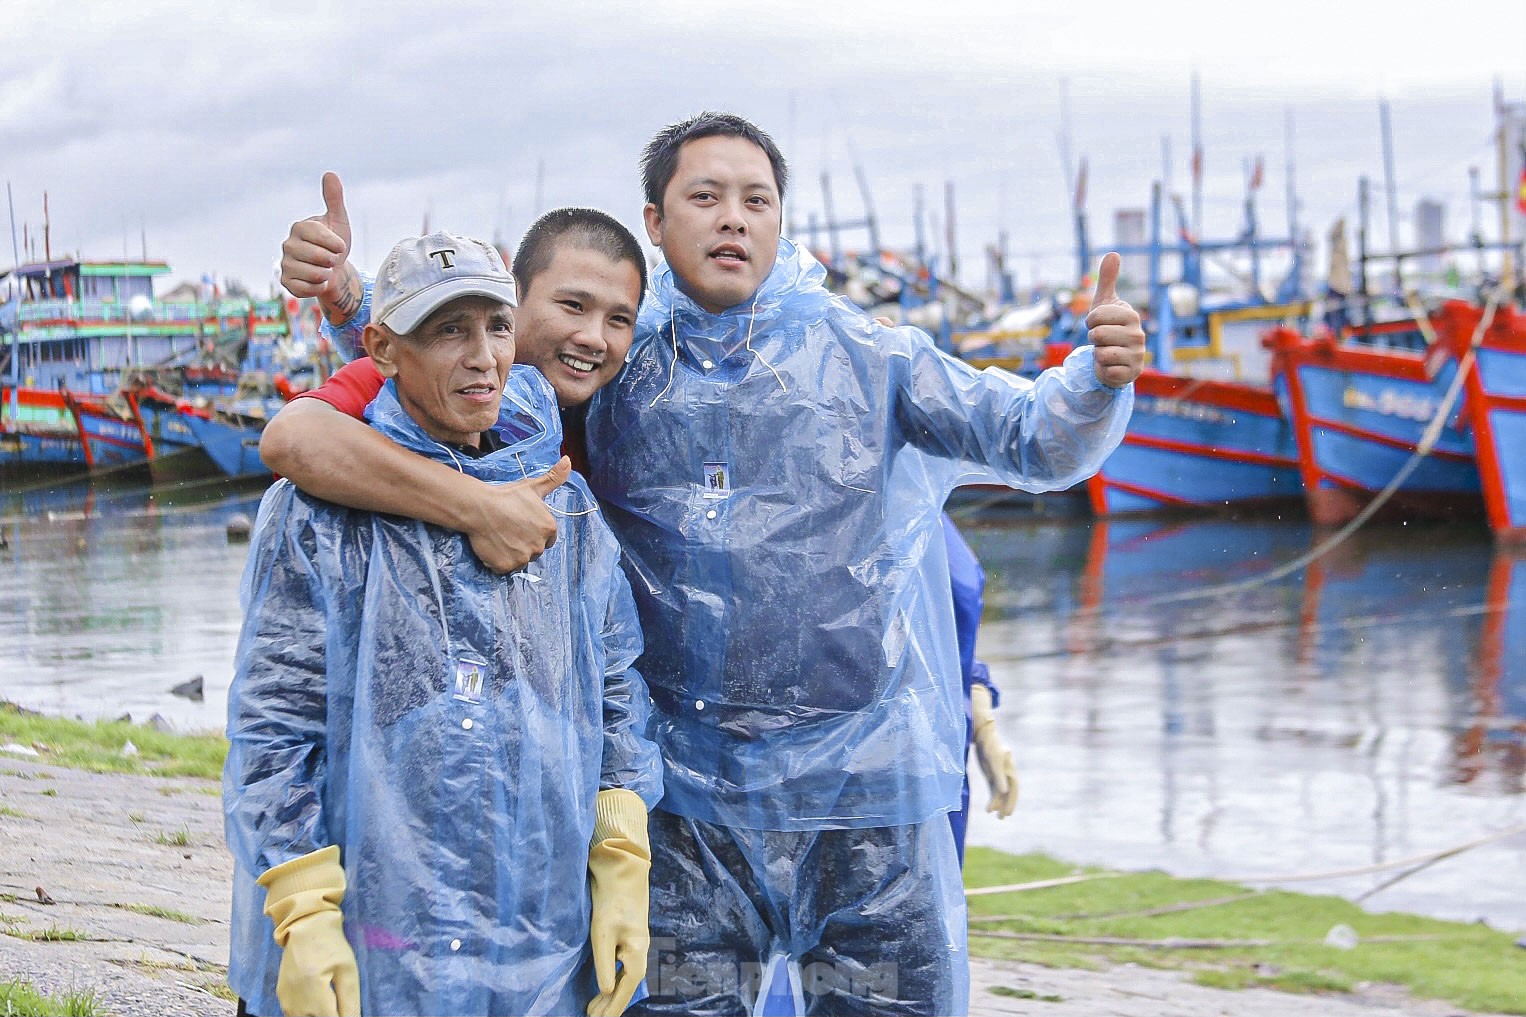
<point x="1107" y="280"/>
<point x="554" y="478"/>
<point x="333" y="205"/>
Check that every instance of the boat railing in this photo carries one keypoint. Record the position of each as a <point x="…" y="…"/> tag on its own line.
<point x="158" y="312"/>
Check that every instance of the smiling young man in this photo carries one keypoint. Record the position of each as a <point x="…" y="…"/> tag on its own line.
<point x="420" y="748"/>
<point x="581" y="276"/>
<point x="774" y="463"/>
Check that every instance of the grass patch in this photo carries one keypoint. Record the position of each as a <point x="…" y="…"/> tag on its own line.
<point x="180" y="838"/>
<point x="137" y="817"/>
<point x="1011" y="993"/>
<point x="97" y="746"/>
<point x="20" y="998"/>
<point x="155" y="911"/>
<point x="50" y="792"/>
<point x="10" y="813"/>
<point x="1472" y="966"/>
<point x="53" y="934"/>
<point x="221" y="991"/>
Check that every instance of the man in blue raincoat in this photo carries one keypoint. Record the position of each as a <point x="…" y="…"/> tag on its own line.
<point x="774" y="464"/>
<point x="429" y="761"/>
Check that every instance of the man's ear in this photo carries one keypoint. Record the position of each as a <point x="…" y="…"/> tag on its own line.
<point x="652" y="215"/>
<point x="381" y="345"/>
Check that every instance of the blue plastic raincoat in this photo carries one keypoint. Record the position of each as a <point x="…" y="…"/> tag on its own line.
<point x="775" y="474"/>
<point x="463" y="806"/>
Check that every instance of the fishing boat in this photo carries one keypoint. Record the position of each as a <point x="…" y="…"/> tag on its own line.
<point x="230" y="436"/>
<point x="174" y="452"/>
<point x="36" y="428"/>
<point x="1495" y="405"/>
<point x="1207" y="432"/>
<point x="110" y="433"/>
<point x="72" y="331"/>
<point x="1360" y="404"/>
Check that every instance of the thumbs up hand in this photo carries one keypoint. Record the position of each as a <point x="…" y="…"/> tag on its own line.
<point x="314" y="258"/>
<point x="510" y="525"/>
<point x="1114" y="329"/>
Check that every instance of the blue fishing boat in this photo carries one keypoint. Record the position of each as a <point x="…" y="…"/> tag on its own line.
<point x="73" y="329"/>
<point x="230" y="436"/>
<point x="1495" y="406"/>
<point x="109" y="431"/>
<point x="1359" y="406"/>
<point x="37" y="429"/>
<point x="1207" y="432"/>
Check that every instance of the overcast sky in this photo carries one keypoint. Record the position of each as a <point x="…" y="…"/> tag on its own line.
<point x="207" y="125"/>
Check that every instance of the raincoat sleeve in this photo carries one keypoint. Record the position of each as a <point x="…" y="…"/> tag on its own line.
<point x="981" y="675"/>
<point x="631" y="760"/>
<point x="277" y="705"/>
<point x="345" y="337"/>
<point x="1042" y="435"/>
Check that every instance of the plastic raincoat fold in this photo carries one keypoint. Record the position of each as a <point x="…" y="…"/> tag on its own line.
<point x="448" y="728"/>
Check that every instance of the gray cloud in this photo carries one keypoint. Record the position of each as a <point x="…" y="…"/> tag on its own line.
<point x="211" y="125"/>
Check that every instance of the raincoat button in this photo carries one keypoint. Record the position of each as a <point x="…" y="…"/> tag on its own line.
<point x="710" y="514"/>
<point x="467" y="723"/>
<point x="707" y="365"/>
<point x="455" y="944"/>
<point x="699" y="704"/>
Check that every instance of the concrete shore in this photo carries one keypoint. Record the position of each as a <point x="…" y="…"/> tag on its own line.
<point x="136" y="868"/>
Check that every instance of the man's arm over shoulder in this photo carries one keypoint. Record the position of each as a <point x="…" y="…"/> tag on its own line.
<point x="318" y="443"/>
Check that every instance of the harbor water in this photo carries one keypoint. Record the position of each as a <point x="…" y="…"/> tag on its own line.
<point x="1183" y="695"/>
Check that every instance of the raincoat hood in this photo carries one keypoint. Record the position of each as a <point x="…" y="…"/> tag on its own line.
<point x="797" y="284"/>
<point x="528" y="423"/>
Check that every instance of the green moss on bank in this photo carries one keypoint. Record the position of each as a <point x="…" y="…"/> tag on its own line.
<point x="20" y="998"/>
<point x="1472" y="966"/>
<point x="98" y="746"/>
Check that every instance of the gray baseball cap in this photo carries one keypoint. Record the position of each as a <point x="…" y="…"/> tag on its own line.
<point x="423" y="273"/>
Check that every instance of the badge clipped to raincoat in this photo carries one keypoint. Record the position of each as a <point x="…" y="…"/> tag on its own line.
<point x="470" y="674"/>
<point x="717" y="480"/>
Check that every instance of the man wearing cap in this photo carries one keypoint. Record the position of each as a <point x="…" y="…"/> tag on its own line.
<point x="422" y="751"/>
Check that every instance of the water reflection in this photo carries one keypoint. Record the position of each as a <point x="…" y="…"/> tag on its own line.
<point x="111" y="593"/>
<point x="1368" y="707"/>
<point x="1171" y="709"/>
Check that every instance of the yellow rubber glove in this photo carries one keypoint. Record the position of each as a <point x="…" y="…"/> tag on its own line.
<point x="619" y="870"/>
<point x="318" y="976"/>
<point x="993" y="754"/>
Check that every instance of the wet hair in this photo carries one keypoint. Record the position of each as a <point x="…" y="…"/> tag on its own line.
<point x="659" y="160"/>
<point x="575" y="227"/>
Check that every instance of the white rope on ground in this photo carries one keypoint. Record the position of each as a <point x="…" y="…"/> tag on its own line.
<point x="1183" y="943"/>
<point x="1425" y="859"/>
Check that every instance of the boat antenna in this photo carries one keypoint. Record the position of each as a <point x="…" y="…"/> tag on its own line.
<point x="15" y="346"/>
<point x="11" y="204"/>
<point x="1197" y="157"/>
<point x="1390" y="187"/>
<point x="1064" y="140"/>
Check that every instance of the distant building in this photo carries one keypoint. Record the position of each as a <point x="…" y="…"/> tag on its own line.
<point x="1129" y="227"/>
<point x="1430" y="234"/>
